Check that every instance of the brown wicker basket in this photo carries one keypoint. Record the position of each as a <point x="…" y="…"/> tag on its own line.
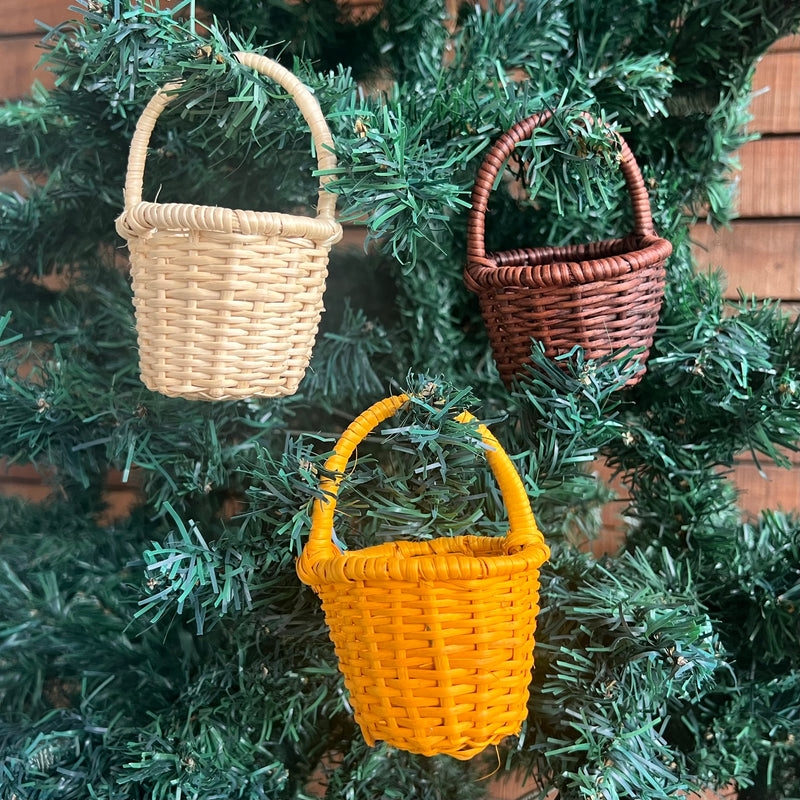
<point x="227" y="301"/>
<point x="604" y="296"/>
<point x="435" y="638"/>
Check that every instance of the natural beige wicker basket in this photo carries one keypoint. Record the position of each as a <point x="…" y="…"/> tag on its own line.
<point x="227" y="301"/>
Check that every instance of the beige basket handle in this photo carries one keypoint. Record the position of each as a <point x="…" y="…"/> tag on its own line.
<point x="306" y="102"/>
<point x="522" y="525"/>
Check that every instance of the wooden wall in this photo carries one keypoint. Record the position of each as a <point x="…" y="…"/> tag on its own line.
<point x="760" y="252"/>
<point x="18" y="39"/>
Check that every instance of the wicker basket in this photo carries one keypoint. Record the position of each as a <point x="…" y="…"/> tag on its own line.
<point x="227" y="301"/>
<point x="603" y="296"/>
<point x="434" y="638"/>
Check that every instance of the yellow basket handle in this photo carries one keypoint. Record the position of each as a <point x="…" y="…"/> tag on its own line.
<point x="522" y="525"/>
<point x="306" y="102"/>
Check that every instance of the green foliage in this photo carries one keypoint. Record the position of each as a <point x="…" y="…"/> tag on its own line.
<point x="631" y="631"/>
<point x="175" y="654"/>
<point x="749" y="728"/>
<point x="364" y="773"/>
<point x="765" y="579"/>
<point x="735" y="368"/>
<point x="191" y="571"/>
<point x="348" y="357"/>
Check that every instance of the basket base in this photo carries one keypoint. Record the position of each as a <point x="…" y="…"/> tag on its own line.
<point x="208" y="386"/>
<point x="442" y="746"/>
<point x="613" y="317"/>
<point x="439" y="667"/>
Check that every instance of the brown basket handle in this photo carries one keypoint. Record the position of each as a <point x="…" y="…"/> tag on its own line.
<point x="522" y="525"/>
<point x="306" y="102"/>
<point x="496" y="158"/>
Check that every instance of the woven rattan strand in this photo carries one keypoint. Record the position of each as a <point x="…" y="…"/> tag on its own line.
<point x="227" y="301"/>
<point x="603" y="296"/>
<point x="435" y="638"/>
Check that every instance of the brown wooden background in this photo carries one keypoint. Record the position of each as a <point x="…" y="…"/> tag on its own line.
<point x="760" y="252"/>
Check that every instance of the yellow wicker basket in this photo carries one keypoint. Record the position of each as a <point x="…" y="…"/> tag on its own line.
<point x="227" y="301"/>
<point x="434" y="638"/>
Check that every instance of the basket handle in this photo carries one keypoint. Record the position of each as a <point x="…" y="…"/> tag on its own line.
<point x="306" y="102"/>
<point x="496" y="158"/>
<point x="522" y="525"/>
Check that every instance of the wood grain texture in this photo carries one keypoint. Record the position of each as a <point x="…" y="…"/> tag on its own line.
<point x="770" y="487"/>
<point x="20" y="16"/>
<point x="769" y="182"/>
<point x="19" y="39"/>
<point x="787" y="43"/>
<point x="19" y="57"/>
<point x="766" y="486"/>
<point x="762" y="257"/>
<point x="776" y="93"/>
<point x="36" y="486"/>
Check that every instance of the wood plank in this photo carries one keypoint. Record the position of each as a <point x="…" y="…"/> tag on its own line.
<point x="353" y="236"/>
<point x="773" y="488"/>
<point x="787" y="43"/>
<point x="12" y="181"/>
<point x="24" y="480"/>
<point x="762" y="257"/>
<point x="18" y="57"/>
<point x="119" y="502"/>
<point x="515" y="786"/>
<point x="776" y="93"/>
<point x="19" y="16"/>
<point x="769" y="182"/>
<point x="33" y="492"/>
<point x="792" y="309"/>
<point x="359" y="11"/>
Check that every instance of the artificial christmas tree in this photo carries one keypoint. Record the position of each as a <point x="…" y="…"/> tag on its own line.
<point x="175" y="653"/>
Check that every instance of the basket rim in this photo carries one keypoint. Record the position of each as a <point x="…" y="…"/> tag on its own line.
<point x="146" y="216"/>
<point x="569" y="265"/>
<point x="441" y="559"/>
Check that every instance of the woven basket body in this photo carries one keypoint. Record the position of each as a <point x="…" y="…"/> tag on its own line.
<point x="435" y="639"/>
<point x="604" y="296"/>
<point x="227" y="301"/>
